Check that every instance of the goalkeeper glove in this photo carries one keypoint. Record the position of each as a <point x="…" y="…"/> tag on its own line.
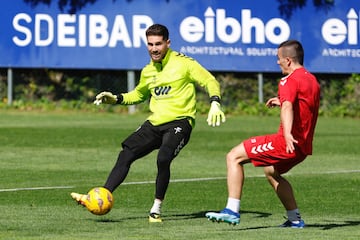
<point x="215" y="114"/>
<point x="105" y="97"/>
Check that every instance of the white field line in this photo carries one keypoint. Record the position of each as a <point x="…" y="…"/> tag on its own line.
<point x="34" y="188"/>
<point x="173" y="181"/>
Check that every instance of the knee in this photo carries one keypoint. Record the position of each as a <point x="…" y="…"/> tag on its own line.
<point x="164" y="158"/>
<point x="126" y="157"/>
<point x="272" y="176"/>
<point x="237" y="155"/>
<point x="268" y="171"/>
<point x="230" y="158"/>
<point x="163" y="163"/>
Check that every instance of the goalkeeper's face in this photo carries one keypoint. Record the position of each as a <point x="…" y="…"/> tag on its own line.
<point x="157" y="47"/>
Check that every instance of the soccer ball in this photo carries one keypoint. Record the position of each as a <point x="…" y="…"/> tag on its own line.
<point x="99" y="201"/>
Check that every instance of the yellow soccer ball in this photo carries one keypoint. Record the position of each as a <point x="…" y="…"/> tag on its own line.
<point x="99" y="201"/>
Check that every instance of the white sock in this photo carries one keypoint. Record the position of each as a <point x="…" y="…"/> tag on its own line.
<point x="156" y="206"/>
<point x="293" y="215"/>
<point x="233" y="204"/>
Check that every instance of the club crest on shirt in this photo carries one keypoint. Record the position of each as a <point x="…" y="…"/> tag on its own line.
<point x="283" y="82"/>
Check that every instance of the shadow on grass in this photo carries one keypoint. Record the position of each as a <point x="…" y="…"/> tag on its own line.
<point x="174" y="217"/>
<point x="307" y="226"/>
<point x="177" y="217"/>
<point x="329" y="226"/>
<point x="108" y="220"/>
<point x="202" y="215"/>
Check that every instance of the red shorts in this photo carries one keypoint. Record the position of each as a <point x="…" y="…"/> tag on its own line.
<point x="270" y="150"/>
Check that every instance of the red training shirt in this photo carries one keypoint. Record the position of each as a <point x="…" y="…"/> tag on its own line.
<point x="303" y="91"/>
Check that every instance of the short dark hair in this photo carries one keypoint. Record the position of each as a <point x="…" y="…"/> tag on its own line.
<point x="293" y="49"/>
<point x="158" y="30"/>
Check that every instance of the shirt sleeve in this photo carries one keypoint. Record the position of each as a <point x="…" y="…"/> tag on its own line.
<point x="204" y="78"/>
<point x="139" y="94"/>
<point x="288" y="90"/>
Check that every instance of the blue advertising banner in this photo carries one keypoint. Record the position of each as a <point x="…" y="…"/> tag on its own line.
<point x="226" y="35"/>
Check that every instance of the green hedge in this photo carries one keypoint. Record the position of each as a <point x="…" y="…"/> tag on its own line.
<point x="45" y="89"/>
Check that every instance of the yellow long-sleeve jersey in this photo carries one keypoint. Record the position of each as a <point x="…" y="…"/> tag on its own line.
<point x="170" y="85"/>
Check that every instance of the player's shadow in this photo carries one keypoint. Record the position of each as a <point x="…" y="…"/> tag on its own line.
<point x="110" y="220"/>
<point x="202" y="215"/>
<point x="257" y="214"/>
<point x="174" y="217"/>
<point x="328" y="226"/>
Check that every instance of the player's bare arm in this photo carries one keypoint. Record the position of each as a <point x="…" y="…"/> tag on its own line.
<point x="287" y="116"/>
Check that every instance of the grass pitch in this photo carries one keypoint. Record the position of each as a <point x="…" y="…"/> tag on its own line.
<point x="45" y="156"/>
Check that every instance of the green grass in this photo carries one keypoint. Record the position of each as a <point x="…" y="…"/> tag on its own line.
<point x="77" y="150"/>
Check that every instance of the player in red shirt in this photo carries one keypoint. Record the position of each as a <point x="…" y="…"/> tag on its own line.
<point x="298" y="98"/>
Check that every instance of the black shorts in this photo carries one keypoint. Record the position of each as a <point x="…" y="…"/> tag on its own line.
<point x="174" y="135"/>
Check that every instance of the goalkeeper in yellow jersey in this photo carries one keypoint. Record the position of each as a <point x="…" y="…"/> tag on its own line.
<point x="169" y="82"/>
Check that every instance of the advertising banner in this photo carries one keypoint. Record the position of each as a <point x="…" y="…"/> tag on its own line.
<point x="226" y="35"/>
